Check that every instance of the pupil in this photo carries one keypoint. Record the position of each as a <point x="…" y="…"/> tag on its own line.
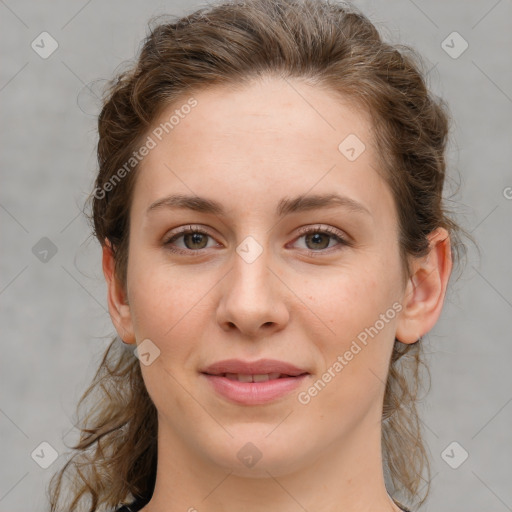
<point x="196" y="239"/>
<point x="317" y="238"/>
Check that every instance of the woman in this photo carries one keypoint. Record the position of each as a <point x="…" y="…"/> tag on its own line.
<point x="275" y="245"/>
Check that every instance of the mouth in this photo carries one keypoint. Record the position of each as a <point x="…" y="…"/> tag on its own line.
<point x="262" y="377"/>
<point x="270" y="367"/>
<point x="253" y="383"/>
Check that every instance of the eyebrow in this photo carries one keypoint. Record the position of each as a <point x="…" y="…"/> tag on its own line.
<point x="286" y="206"/>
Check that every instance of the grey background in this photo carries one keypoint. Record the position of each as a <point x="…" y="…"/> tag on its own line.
<point x="55" y="325"/>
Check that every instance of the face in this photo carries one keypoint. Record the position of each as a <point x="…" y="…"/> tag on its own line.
<point x="314" y="286"/>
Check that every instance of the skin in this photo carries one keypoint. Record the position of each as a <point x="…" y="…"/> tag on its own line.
<point x="248" y="148"/>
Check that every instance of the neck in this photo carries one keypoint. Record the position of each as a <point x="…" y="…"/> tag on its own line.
<point x="347" y="476"/>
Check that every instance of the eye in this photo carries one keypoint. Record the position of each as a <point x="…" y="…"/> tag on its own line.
<point x="194" y="239"/>
<point x="318" y="239"/>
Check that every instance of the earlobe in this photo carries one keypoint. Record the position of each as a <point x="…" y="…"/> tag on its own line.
<point x="426" y="288"/>
<point x="118" y="306"/>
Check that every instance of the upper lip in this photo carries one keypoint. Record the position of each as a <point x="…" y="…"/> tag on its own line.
<point x="259" y="367"/>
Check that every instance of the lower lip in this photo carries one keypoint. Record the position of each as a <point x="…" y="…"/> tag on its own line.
<point x="254" y="393"/>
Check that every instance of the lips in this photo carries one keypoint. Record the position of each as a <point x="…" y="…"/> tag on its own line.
<point x="254" y="368"/>
<point x="241" y="377"/>
<point x="253" y="383"/>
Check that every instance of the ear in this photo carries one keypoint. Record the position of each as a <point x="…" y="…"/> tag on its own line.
<point x="426" y="288"/>
<point x="116" y="297"/>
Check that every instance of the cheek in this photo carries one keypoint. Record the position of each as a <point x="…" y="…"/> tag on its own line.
<point x="348" y="300"/>
<point x="161" y="298"/>
<point x="355" y="358"/>
<point x="359" y="305"/>
<point x="166" y="308"/>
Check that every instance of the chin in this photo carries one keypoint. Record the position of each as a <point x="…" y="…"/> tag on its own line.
<point x="259" y="456"/>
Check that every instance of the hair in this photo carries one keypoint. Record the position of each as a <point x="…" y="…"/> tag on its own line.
<point x="326" y="44"/>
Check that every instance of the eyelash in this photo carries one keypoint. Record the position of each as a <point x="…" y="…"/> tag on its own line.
<point x="331" y="232"/>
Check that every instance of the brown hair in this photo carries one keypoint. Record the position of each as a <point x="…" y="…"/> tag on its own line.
<point x="331" y="45"/>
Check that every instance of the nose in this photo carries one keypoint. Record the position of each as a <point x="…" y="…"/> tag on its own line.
<point x="253" y="298"/>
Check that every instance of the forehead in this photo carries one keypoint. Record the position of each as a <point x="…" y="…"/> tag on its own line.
<point x="257" y="141"/>
<point x="274" y="111"/>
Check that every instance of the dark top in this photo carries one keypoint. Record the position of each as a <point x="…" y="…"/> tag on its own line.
<point x="134" y="507"/>
<point x="139" y="504"/>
